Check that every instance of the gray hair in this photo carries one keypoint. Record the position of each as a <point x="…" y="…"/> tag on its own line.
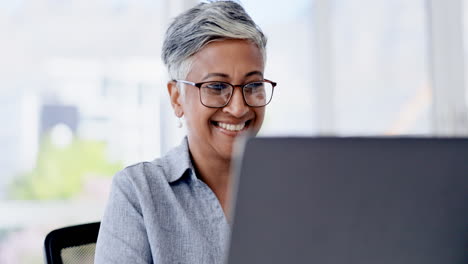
<point x="202" y="24"/>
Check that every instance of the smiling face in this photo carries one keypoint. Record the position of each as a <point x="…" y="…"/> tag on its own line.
<point x="212" y="131"/>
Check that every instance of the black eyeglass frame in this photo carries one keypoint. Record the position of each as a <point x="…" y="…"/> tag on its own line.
<point x="199" y="85"/>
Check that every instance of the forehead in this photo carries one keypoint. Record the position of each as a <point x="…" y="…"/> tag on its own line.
<point x="230" y="57"/>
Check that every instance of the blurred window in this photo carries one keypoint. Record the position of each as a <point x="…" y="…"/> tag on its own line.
<point x="380" y="67"/>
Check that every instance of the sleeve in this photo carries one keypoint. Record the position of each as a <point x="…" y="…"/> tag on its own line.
<point x="122" y="236"/>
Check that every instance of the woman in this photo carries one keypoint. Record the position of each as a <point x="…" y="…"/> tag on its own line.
<point x="173" y="210"/>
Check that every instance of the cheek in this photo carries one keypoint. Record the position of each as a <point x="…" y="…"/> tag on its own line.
<point x="190" y="106"/>
<point x="198" y="116"/>
<point x="260" y="115"/>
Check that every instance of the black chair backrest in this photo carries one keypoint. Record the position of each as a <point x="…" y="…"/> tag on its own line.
<point x="73" y="244"/>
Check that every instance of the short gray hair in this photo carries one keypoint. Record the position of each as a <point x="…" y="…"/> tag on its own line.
<point x="202" y="24"/>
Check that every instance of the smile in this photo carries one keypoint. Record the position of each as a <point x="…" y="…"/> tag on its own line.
<point x="232" y="127"/>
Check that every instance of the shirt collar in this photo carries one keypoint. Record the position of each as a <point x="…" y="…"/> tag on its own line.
<point x="177" y="161"/>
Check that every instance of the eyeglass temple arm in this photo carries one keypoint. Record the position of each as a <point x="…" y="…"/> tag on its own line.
<point x="186" y="82"/>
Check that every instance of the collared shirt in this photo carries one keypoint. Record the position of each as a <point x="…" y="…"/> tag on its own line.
<point x="160" y="212"/>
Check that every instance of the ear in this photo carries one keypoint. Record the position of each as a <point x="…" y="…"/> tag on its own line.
<point x="176" y="98"/>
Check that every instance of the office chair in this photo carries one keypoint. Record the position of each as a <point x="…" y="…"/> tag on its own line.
<point x="72" y="244"/>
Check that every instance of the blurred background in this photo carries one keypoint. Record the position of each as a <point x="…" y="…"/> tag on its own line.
<point x="82" y="91"/>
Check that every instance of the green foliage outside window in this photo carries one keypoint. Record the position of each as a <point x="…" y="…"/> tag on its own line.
<point x="61" y="171"/>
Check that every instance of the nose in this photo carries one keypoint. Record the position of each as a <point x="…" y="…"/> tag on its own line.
<point x="236" y="106"/>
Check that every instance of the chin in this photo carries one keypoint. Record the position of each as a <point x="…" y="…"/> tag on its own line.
<point x="226" y="153"/>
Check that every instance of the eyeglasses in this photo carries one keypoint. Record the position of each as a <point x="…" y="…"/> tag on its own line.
<point x="218" y="94"/>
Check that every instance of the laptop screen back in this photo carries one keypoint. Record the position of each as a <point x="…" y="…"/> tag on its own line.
<point x="351" y="200"/>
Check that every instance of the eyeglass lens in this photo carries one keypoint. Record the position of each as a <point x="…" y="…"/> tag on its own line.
<point x="218" y="94"/>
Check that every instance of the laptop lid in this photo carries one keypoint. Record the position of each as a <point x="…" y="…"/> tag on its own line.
<point x="351" y="200"/>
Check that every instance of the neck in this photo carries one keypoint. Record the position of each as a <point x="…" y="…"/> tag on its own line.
<point x="215" y="172"/>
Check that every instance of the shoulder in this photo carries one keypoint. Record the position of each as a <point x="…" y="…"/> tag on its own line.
<point x="141" y="175"/>
<point x="164" y="170"/>
<point x="137" y="188"/>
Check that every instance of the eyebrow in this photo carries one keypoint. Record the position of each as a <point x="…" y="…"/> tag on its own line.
<point x="223" y="75"/>
<point x="254" y="73"/>
<point x="215" y="74"/>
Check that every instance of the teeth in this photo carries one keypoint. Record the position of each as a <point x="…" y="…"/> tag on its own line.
<point x="232" y="127"/>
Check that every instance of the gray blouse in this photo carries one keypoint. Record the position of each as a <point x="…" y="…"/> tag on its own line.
<point x="160" y="212"/>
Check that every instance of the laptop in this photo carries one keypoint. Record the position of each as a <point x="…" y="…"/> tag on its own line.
<point x="351" y="200"/>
